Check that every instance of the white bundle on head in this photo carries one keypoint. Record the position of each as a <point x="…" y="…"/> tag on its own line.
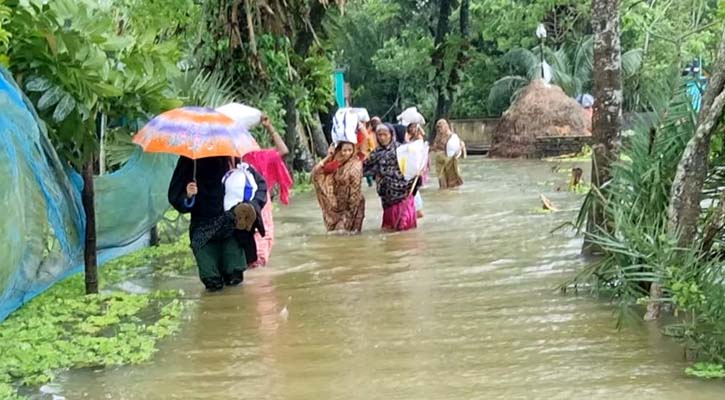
<point x="239" y="186"/>
<point x="344" y="126"/>
<point x="246" y="116"/>
<point x="362" y="114"/>
<point x="411" y="116"/>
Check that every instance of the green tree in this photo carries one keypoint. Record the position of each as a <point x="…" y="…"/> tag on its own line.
<point x="68" y="55"/>
<point x="4" y="34"/>
<point x="384" y="47"/>
<point x="283" y="58"/>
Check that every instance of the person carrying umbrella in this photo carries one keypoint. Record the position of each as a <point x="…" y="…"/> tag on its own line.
<point x="225" y="202"/>
<point x="222" y="240"/>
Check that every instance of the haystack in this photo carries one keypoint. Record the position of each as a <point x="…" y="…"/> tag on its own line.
<point x="541" y="110"/>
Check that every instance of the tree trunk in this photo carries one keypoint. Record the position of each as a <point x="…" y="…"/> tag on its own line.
<point x="465" y="21"/>
<point x="318" y="136"/>
<point x="607" y="119"/>
<point x="686" y="193"/>
<point x="684" y="209"/>
<point x="462" y="58"/>
<point x="302" y="43"/>
<point x="437" y="58"/>
<point x="306" y="36"/>
<point x="305" y="160"/>
<point x="102" y="144"/>
<point x="290" y="136"/>
<point x="89" y="253"/>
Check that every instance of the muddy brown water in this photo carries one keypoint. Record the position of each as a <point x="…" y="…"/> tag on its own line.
<point x="462" y="308"/>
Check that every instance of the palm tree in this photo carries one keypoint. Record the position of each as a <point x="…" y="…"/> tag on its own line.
<point x="570" y="66"/>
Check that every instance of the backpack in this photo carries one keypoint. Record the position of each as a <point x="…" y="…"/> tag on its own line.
<point x="239" y="186"/>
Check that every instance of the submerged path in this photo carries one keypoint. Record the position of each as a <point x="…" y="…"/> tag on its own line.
<point x="462" y="308"/>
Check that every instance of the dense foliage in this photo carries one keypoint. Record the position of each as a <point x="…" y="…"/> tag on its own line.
<point x="386" y="47"/>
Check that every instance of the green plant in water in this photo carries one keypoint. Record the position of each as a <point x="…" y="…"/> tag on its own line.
<point x="63" y="329"/>
<point x="636" y="200"/>
<point x="7" y="392"/>
<point x="697" y="289"/>
<point x="581" y="188"/>
<point x="166" y="260"/>
<point x="706" y="371"/>
<point x="302" y="182"/>
<point x="172" y="226"/>
<point x="639" y="249"/>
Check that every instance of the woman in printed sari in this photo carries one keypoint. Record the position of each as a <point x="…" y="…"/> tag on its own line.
<point x="394" y="191"/>
<point x="447" y="149"/>
<point x="271" y="166"/>
<point x="338" y="184"/>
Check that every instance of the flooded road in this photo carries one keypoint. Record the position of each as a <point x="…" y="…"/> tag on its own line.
<point x="465" y="307"/>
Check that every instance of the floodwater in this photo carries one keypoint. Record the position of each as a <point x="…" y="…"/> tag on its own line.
<point x="465" y="307"/>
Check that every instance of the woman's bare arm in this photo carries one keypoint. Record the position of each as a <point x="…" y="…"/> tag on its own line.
<point x="279" y="144"/>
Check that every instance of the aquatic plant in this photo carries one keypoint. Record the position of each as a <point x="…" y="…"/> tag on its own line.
<point x="62" y="329"/>
<point x="638" y="248"/>
<point x="302" y="182"/>
<point x="706" y="371"/>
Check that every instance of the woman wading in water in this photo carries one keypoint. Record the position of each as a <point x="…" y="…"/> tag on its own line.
<point x="338" y="185"/>
<point x="447" y="149"/>
<point x="395" y="192"/>
<point x="271" y="166"/>
<point x="222" y="235"/>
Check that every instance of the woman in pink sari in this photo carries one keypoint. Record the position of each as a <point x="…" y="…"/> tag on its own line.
<point x="271" y="166"/>
<point x="395" y="192"/>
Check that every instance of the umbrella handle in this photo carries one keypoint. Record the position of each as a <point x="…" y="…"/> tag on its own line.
<point x="190" y="201"/>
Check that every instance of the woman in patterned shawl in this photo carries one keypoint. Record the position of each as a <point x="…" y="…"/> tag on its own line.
<point x="338" y="184"/>
<point x="395" y="192"/>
